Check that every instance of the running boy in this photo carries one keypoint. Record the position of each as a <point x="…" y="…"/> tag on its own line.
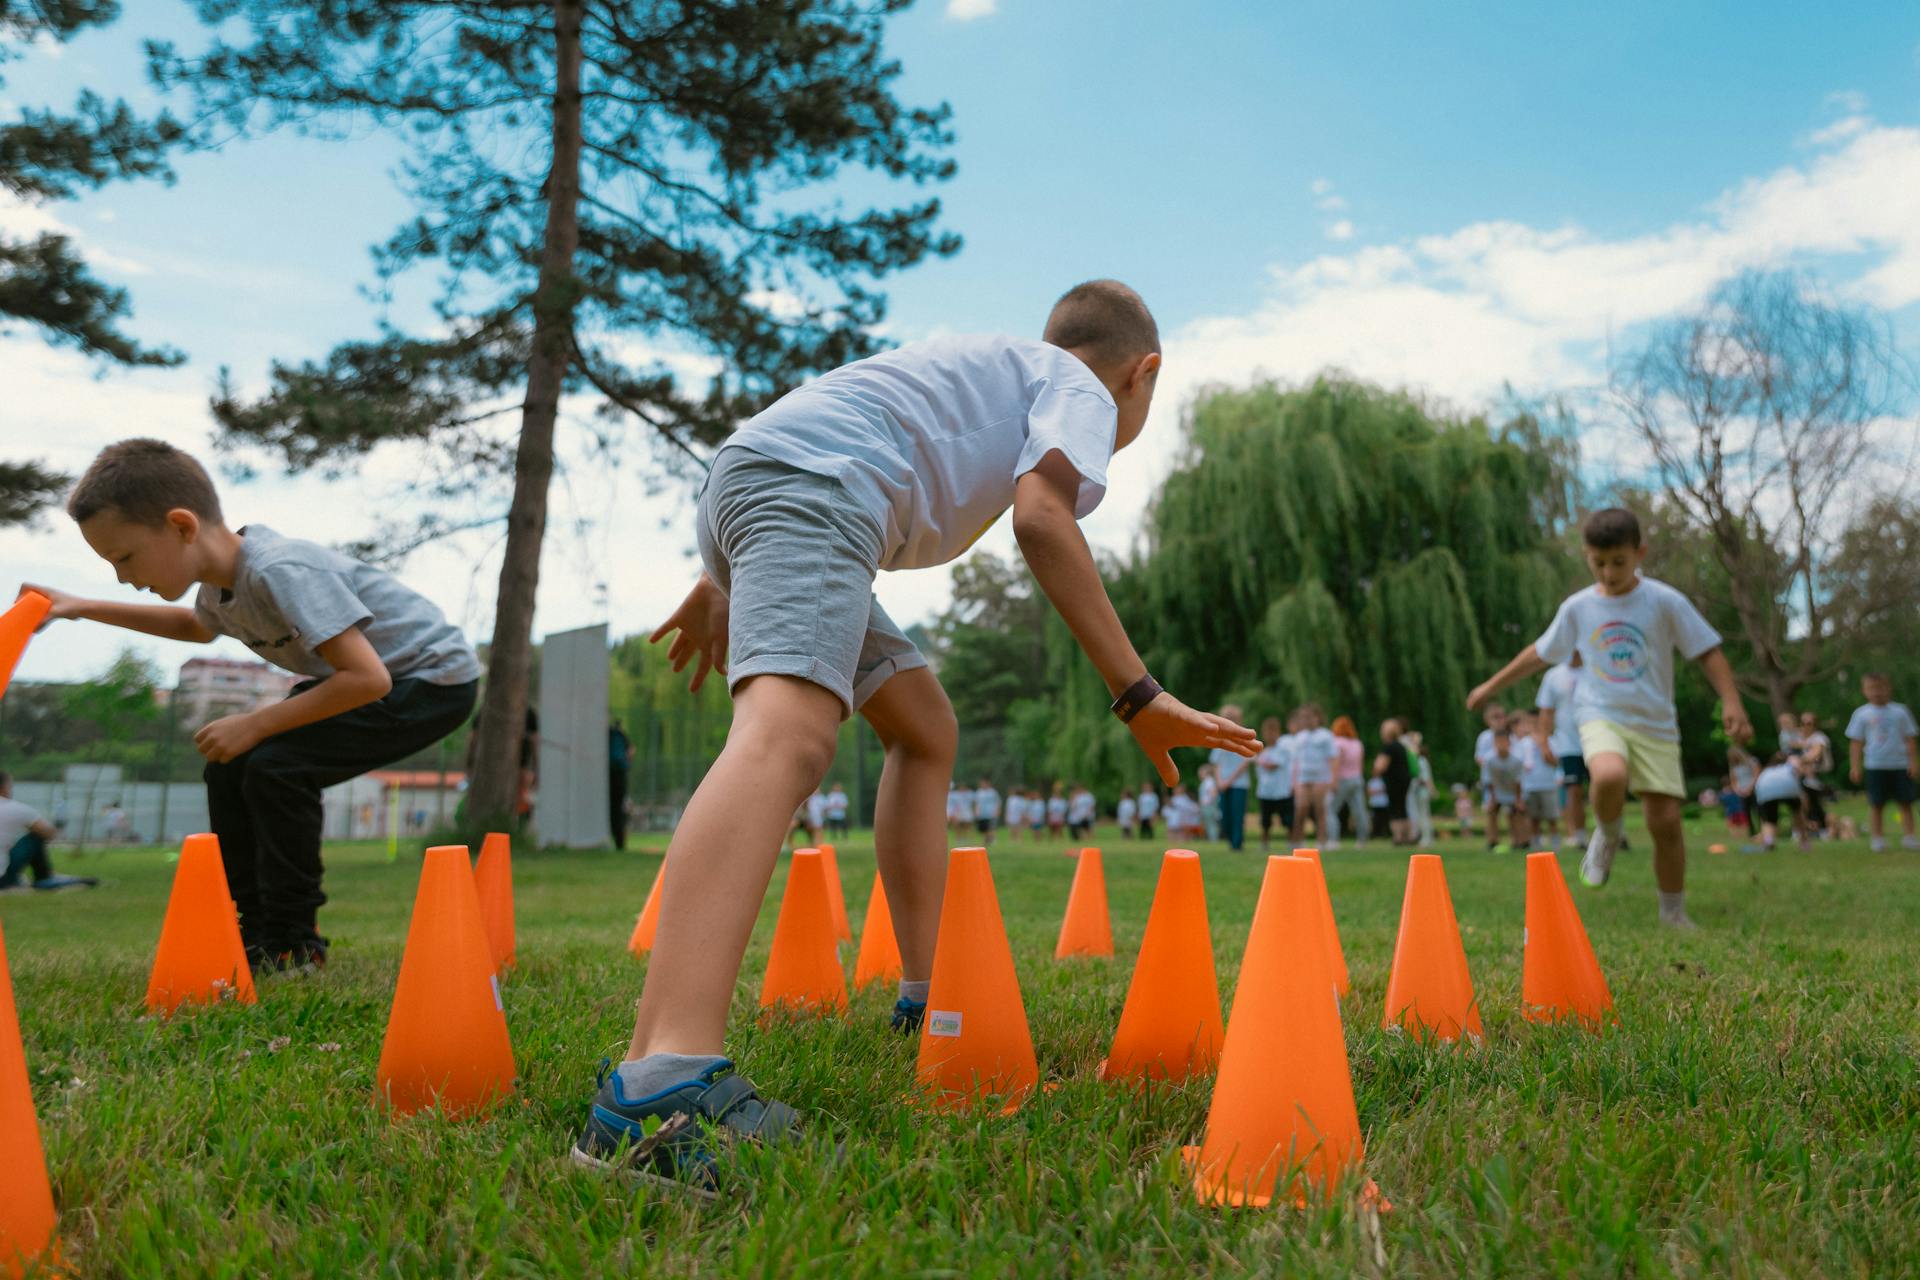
<point x="1627" y="628"/>
<point x="384" y="672"/>
<point x="1880" y="737"/>
<point x="898" y="461"/>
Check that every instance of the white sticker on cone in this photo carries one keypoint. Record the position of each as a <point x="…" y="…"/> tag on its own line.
<point x="941" y="1022"/>
<point x="497" y="1002"/>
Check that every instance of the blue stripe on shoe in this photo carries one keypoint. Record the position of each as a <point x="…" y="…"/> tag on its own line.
<point x="701" y="1081"/>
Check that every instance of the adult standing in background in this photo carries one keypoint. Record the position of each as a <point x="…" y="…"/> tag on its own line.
<point x="1349" y="785"/>
<point x="1394" y="767"/>
<point x="619" y="761"/>
<point x="1234" y="774"/>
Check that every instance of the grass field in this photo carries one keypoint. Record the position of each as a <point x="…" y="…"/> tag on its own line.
<point x="1757" y="1111"/>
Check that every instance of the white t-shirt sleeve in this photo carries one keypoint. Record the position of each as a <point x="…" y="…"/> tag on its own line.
<point x="1078" y="424"/>
<point x="1693" y="635"/>
<point x="1556" y="645"/>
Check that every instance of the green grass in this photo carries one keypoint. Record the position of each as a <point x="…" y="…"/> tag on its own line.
<point x="1756" y="1112"/>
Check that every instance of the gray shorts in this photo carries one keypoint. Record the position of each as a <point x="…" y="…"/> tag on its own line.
<point x="1543" y="806"/>
<point x="797" y="557"/>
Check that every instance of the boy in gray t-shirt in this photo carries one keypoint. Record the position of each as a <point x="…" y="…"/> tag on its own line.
<point x="386" y="674"/>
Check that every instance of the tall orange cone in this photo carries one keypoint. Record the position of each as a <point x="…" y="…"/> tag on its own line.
<point x="641" y="941"/>
<point x="493" y="881"/>
<point x="1170" y="1026"/>
<point x="974" y="1042"/>
<point x="1328" y="929"/>
<point x="1282" y="1114"/>
<point x="1087" y="929"/>
<point x="200" y="958"/>
<point x="447" y="1034"/>
<point x="27" y="1217"/>
<point x="16" y="628"/>
<point x="1430" y="991"/>
<point x="836" y="896"/>
<point x="1560" y="976"/>
<point x="803" y="970"/>
<point x="879" y="959"/>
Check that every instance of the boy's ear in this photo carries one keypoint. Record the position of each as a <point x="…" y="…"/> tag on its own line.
<point x="1144" y="371"/>
<point x="184" y="522"/>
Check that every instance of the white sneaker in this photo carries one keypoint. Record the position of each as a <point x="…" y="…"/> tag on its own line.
<point x="1879" y="844"/>
<point x="1680" y="921"/>
<point x="1910" y="842"/>
<point x="1598" y="864"/>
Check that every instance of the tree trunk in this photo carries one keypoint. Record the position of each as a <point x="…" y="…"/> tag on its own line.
<point x="503" y="710"/>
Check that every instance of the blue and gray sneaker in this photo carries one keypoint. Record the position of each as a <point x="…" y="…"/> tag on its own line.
<point x="908" y="1014"/>
<point x="670" y="1137"/>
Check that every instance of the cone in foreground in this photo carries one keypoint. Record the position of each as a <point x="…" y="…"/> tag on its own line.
<point x="493" y="881"/>
<point x="27" y="1217"/>
<point x="16" y="629"/>
<point x="836" y="895"/>
<point x="803" y="970"/>
<point x="446" y="1037"/>
<point x="1170" y="1026"/>
<point x="1560" y="976"/>
<point x="1087" y="929"/>
<point x="1283" y="1117"/>
<point x="1336" y="955"/>
<point x="641" y="940"/>
<point x="200" y="959"/>
<point x="974" y="1042"/>
<point x="1430" y="991"/>
<point x="879" y="959"/>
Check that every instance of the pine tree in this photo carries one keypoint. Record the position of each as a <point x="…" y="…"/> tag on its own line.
<point x="591" y="176"/>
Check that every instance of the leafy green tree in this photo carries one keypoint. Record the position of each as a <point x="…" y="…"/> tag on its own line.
<point x="595" y="179"/>
<point x="44" y="156"/>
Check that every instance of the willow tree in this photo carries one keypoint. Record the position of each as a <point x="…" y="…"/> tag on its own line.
<point x="48" y="155"/>
<point x="602" y="184"/>
<point x="1343" y="544"/>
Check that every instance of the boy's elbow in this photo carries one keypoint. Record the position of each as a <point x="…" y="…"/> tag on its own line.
<point x="379" y="682"/>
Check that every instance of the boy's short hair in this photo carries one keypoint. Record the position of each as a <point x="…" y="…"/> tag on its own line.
<point x="1502" y="733"/>
<point x="1105" y="319"/>
<point x="1611" y="528"/>
<point x="140" y="480"/>
<point x="1876" y="677"/>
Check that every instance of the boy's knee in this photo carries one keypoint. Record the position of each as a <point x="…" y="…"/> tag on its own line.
<point x="933" y="737"/>
<point x="802" y="746"/>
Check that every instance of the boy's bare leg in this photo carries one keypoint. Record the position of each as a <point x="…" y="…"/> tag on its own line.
<point x="1669" y="841"/>
<point x="1876" y="821"/>
<point x="721" y="858"/>
<point x="1576" y="814"/>
<point x="916" y="725"/>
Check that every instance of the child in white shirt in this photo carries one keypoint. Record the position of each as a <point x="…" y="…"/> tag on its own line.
<point x="1627" y="629"/>
<point x="1124" y="813"/>
<point x="1881" y="742"/>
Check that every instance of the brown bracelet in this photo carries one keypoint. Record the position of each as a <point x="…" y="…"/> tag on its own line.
<point x="1136" y="695"/>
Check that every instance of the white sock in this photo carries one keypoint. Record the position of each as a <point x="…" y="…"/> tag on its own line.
<point x="1672" y="904"/>
<point x="1615" y="830"/>
<point x="915" y="991"/>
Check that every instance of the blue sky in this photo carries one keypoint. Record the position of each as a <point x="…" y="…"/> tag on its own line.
<point x="1446" y="197"/>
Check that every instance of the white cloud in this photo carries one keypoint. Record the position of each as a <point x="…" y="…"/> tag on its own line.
<point x="1320" y="186"/>
<point x="1341" y="229"/>
<point x="968" y="10"/>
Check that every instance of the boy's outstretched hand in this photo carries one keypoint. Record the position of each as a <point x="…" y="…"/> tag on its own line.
<point x="63" y="604"/>
<point x="1167" y="722"/>
<point x="701" y="621"/>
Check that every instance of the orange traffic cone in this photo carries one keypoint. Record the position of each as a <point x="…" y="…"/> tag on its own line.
<point x="1086" y="931"/>
<point x="446" y="1037"/>
<point x="974" y="1042"/>
<point x="644" y="928"/>
<point x="1282" y="1114"/>
<point x="16" y="628"/>
<point x="1170" y="1025"/>
<point x="879" y="959"/>
<point x="1559" y="975"/>
<point x="27" y="1218"/>
<point x="803" y="970"/>
<point x="1430" y="990"/>
<point x="200" y="958"/>
<point x="836" y="896"/>
<point x="493" y="881"/>
<point x="1331" y="931"/>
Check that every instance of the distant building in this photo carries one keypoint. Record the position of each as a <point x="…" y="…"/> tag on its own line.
<point x="209" y="688"/>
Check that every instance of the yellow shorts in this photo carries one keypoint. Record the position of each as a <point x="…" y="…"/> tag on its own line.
<point x="1653" y="764"/>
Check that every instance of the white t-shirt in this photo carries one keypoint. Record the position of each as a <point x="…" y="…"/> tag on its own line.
<point x="1627" y="643"/>
<point x="1504" y="774"/>
<point x="1376" y="793"/>
<point x="836" y="805"/>
<point x="1885" y="731"/>
<point x="1226" y="763"/>
<point x="1081" y="807"/>
<point x="1056" y="809"/>
<point x="1313" y="758"/>
<point x="816" y="810"/>
<point x="1812" y="745"/>
<point x="1183" y="814"/>
<point x="1149" y="804"/>
<point x="960" y="805"/>
<point x="1777" y="782"/>
<point x="1125" y="810"/>
<point x="929" y="438"/>
<point x="15" y="819"/>
<point x="1273" y="770"/>
<point x="986" y="803"/>
<point x="1209" y="791"/>
<point x="1539" y="770"/>
<point x="1016" y="811"/>
<point x="1557" y="689"/>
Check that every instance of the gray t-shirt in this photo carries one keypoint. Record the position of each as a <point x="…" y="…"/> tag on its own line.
<point x="291" y="596"/>
<point x="16" y="820"/>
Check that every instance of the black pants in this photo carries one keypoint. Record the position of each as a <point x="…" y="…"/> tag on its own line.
<point x="265" y="805"/>
<point x="29" y="850"/>
<point x="617" y="805"/>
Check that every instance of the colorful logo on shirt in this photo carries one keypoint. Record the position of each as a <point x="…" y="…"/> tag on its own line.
<point x="1620" y="652"/>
